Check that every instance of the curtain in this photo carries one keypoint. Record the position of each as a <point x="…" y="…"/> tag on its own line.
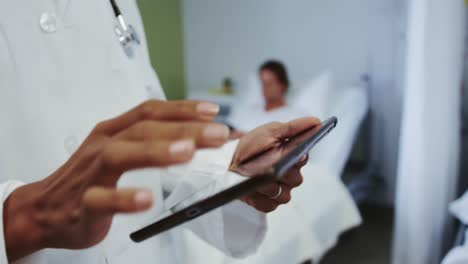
<point x="430" y="132"/>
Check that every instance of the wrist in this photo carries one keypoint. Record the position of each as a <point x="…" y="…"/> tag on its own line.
<point x="23" y="234"/>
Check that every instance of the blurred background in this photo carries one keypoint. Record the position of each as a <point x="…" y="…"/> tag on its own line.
<point x="393" y="71"/>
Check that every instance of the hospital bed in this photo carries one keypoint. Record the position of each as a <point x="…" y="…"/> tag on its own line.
<point x="457" y="252"/>
<point x="322" y="208"/>
<point x="461" y="235"/>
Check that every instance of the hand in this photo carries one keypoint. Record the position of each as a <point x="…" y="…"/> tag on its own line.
<point x="73" y="208"/>
<point x="236" y="134"/>
<point x="270" y="138"/>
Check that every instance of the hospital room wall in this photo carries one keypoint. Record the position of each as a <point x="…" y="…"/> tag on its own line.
<point x="464" y="157"/>
<point x="163" y="27"/>
<point x="388" y="56"/>
<point x="351" y="38"/>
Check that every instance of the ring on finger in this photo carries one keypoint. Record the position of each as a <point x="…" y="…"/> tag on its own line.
<point x="280" y="191"/>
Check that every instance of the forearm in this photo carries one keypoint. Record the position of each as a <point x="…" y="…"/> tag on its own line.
<point x="23" y="234"/>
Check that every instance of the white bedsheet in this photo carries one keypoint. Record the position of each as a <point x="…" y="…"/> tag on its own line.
<point x="322" y="208"/>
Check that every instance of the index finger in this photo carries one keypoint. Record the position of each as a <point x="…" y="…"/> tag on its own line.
<point x="156" y="110"/>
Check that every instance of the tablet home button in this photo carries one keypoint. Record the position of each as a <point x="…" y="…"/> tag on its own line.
<point x="193" y="212"/>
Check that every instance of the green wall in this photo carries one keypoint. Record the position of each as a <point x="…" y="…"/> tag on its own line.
<point x="163" y="26"/>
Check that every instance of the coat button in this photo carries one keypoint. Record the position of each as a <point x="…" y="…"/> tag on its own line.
<point x="71" y="144"/>
<point x="48" y="22"/>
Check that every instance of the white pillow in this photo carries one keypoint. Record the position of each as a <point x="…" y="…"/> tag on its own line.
<point x="316" y="97"/>
<point x="251" y="95"/>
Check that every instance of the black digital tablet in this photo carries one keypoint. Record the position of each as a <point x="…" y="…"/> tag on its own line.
<point x="271" y="169"/>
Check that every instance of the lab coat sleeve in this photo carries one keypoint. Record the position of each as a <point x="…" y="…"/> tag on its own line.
<point x="236" y="229"/>
<point x="6" y="189"/>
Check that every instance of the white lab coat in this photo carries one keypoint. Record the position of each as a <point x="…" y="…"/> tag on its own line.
<point x="62" y="70"/>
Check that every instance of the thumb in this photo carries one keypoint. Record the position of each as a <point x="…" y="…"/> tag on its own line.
<point x="110" y="201"/>
<point x="295" y="127"/>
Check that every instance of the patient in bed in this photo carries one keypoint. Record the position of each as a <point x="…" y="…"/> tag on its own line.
<point x="275" y="85"/>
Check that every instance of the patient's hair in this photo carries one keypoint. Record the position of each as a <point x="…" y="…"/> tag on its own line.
<point x="278" y="69"/>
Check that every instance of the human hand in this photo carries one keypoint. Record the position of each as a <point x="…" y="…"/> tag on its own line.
<point x="73" y="208"/>
<point x="270" y="138"/>
<point x="236" y="134"/>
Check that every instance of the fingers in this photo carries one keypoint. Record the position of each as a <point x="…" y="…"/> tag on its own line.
<point x="261" y="202"/>
<point x="303" y="161"/>
<point x="281" y="193"/>
<point x="160" y="110"/>
<point x="204" y="134"/>
<point x="269" y="197"/>
<point x="293" y="127"/>
<point x="110" y="201"/>
<point x="293" y="178"/>
<point x="122" y="156"/>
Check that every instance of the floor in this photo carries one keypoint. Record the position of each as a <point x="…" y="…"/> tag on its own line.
<point x="368" y="244"/>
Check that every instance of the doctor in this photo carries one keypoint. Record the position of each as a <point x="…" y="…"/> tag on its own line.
<point x="67" y="65"/>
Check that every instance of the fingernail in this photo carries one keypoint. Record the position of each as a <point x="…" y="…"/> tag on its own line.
<point x="206" y="108"/>
<point x="216" y="132"/>
<point x="143" y="198"/>
<point x="182" y="148"/>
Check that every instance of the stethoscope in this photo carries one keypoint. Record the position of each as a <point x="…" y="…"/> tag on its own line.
<point x="127" y="35"/>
